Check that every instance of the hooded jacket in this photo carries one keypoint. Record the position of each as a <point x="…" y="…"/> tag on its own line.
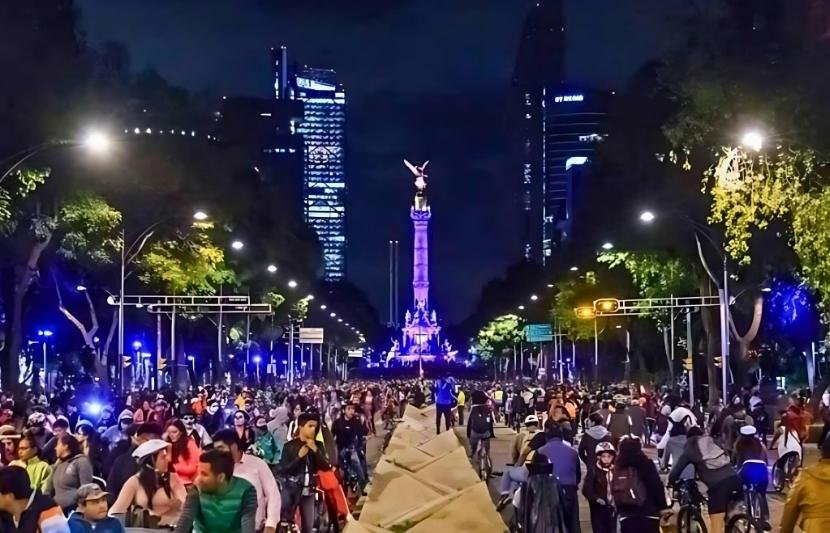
<point x="588" y="444"/>
<point x="807" y="503"/>
<point x="67" y="477"/>
<point x="79" y="524"/>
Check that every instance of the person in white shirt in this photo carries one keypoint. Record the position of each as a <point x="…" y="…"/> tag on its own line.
<point x="255" y="471"/>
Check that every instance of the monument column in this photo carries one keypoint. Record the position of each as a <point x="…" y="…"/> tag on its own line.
<point x="420" y="255"/>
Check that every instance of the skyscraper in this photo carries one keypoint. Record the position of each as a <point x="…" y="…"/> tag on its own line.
<point x="559" y="126"/>
<point x="324" y="141"/>
<point x="574" y="122"/>
<point x="539" y="63"/>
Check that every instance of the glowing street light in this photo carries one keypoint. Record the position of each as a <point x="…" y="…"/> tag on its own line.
<point x="647" y="217"/>
<point x="136" y="345"/>
<point x="237" y="245"/>
<point x="80" y="288"/>
<point x="753" y="140"/>
<point x="309" y="297"/>
<point x="333" y="315"/>
<point x="323" y="307"/>
<point x="272" y="269"/>
<point x="200" y="216"/>
<point x="521" y="308"/>
<point x="97" y="142"/>
<point x="340" y="320"/>
<point x="533" y="297"/>
<point x="550" y="285"/>
<point x="607" y="246"/>
<point x="574" y="268"/>
<point x="292" y="284"/>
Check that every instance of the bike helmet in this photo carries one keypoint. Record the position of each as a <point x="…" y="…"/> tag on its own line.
<point x="605" y="447"/>
<point x="37" y="419"/>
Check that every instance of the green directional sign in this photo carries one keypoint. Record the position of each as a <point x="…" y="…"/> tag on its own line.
<point x="538" y="333"/>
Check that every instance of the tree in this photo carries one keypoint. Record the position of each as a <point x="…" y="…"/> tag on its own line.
<point x="656" y="275"/>
<point x="26" y="232"/>
<point x="190" y="263"/>
<point x="573" y="293"/>
<point x="498" y="337"/>
<point x="90" y="242"/>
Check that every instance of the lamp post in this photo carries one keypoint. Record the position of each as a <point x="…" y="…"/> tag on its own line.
<point x="128" y="255"/>
<point x="647" y="217"/>
<point x="95" y="141"/>
<point x="44" y="334"/>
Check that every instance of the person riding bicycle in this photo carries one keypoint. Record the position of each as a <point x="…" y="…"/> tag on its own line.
<point x="302" y="458"/>
<point x="520" y="447"/>
<point x="714" y="467"/>
<point x="750" y="456"/>
<point x="349" y="434"/>
<point x="480" y="423"/>
<point x="788" y="440"/>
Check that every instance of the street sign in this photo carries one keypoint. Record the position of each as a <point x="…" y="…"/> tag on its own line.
<point x="356" y="353"/>
<point x="311" y="335"/>
<point x="538" y="333"/>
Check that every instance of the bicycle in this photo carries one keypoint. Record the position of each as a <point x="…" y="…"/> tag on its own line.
<point x="483" y="463"/>
<point x="784" y="471"/>
<point x="351" y="480"/>
<point x="691" y="501"/>
<point x="747" y="517"/>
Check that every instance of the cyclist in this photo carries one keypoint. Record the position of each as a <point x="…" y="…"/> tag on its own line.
<point x="302" y="458"/>
<point x="714" y="467"/>
<point x="349" y="434"/>
<point x="787" y="439"/>
<point x="480" y="423"/>
<point x="638" y="493"/>
<point x="521" y="442"/>
<point x="750" y="456"/>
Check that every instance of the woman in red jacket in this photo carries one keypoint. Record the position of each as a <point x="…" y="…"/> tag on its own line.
<point x="184" y="456"/>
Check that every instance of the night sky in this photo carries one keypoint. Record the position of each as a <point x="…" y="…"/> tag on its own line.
<point x="425" y="79"/>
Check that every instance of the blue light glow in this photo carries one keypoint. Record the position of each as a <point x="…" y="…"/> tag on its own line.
<point x="137" y="345"/>
<point x="791" y="312"/>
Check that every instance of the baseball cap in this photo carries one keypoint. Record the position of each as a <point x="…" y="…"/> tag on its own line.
<point x="748" y="430"/>
<point x="531" y="419"/>
<point x="90" y="491"/>
<point x="150" y="447"/>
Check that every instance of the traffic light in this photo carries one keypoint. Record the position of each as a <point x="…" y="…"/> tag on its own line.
<point x="607" y="305"/>
<point x="718" y="361"/>
<point x="687" y="364"/>
<point x="585" y="313"/>
<point x="162" y="364"/>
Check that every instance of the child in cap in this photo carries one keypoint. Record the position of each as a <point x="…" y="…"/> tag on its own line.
<point x="91" y="514"/>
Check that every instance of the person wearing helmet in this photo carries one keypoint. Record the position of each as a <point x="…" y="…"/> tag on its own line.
<point x="750" y="456"/>
<point x="520" y="442"/>
<point x="597" y="489"/>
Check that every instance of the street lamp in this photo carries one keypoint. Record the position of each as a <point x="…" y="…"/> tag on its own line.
<point x="574" y="268"/>
<point x="723" y="288"/>
<point x="607" y="246"/>
<point x="753" y="140"/>
<point x="323" y="307"/>
<point x="292" y="284"/>
<point x="237" y="245"/>
<point x="309" y="297"/>
<point x="272" y="269"/>
<point x="521" y="308"/>
<point x="647" y="217"/>
<point x="332" y="315"/>
<point x="94" y="141"/>
<point x="200" y="216"/>
<point x="80" y="288"/>
<point x="97" y="141"/>
<point x="533" y="297"/>
<point x="45" y="333"/>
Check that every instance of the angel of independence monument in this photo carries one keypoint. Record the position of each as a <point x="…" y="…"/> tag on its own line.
<point x="421" y="334"/>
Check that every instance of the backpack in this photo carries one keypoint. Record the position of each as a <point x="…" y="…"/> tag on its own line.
<point x="479" y="420"/>
<point x="712" y="455"/>
<point x="627" y="488"/>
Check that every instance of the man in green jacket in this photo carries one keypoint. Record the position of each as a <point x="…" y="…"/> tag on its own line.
<point x="221" y="503"/>
<point x="28" y="458"/>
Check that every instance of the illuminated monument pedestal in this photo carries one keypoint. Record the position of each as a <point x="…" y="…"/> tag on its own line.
<point x="421" y="334"/>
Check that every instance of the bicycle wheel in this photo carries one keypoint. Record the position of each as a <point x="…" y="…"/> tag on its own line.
<point x="778" y="478"/>
<point x="742" y="523"/>
<point x="756" y="507"/>
<point x="791" y="468"/>
<point x="690" y="521"/>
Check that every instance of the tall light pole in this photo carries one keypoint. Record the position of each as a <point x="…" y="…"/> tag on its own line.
<point x="128" y="255"/>
<point x="95" y="141"/>
<point x="647" y="217"/>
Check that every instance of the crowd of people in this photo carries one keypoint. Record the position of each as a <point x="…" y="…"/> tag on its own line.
<point x="241" y="460"/>
<point x="218" y="460"/>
